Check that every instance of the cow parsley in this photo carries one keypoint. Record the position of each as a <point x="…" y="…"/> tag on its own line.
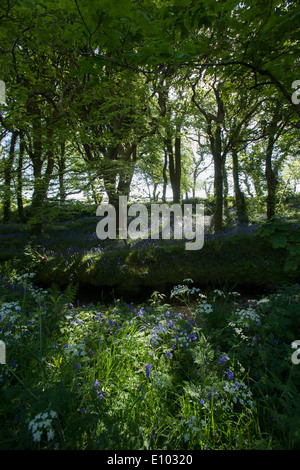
<point x="247" y="314"/>
<point x="42" y="423"/>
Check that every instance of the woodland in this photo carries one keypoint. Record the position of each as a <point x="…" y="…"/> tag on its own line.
<point x="141" y="344"/>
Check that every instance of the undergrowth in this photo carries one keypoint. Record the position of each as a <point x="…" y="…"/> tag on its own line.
<point x="150" y="376"/>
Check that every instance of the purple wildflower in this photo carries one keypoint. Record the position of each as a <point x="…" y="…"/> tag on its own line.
<point x="148" y="367"/>
<point x="230" y="374"/>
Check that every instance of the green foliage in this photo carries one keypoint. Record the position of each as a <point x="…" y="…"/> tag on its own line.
<point x="137" y="377"/>
<point x="86" y="85"/>
<point x="70" y="251"/>
<point x="259" y="334"/>
<point x="284" y="235"/>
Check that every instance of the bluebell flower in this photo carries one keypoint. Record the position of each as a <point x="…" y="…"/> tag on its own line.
<point x="192" y="336"/>
<point x="209" y="395"/>
<point x="223" y="359"/>
<point x="148" y="367"/>
<point x="230" y="374"/>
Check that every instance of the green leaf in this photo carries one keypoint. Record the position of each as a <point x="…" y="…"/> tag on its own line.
<point x="278" y="240"/>
<point x="291" y="264"/>
<point x="294" y="249"/>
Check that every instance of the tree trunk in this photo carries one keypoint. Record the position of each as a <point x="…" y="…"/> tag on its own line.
<point x="109" y="172"/>
<point x="61" y="172"/>
<point x="240" y="201"/>
<point x="225" y="191"/>
<point x="176" y="186"/>
<point x="8" y="177"/>
<point x="215" y="138"/>
<point x="195" y="176"/>
<point x="20" y="180"/>
<point x="216" y="146"/>
<point x="126" y="173"/>
<point x="270" y="172"/>
<point x="165" y="178"/>
<point x="154" y="197"/>
<point x="123" y="171"/>
<point x="174" y="157"/>
<point x="41" y="182"/>
<point x="272" y="183"/>
<point x="218" y="189"/>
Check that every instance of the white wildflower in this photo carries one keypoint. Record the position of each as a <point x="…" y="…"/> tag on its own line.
<point x="42" y="422"/>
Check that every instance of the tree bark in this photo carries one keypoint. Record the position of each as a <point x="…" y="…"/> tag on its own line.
<point x="240" y="201"/>
<point x="215" y="139"/>
<point x="20" y="180"/>
<point x="165" y="178"/>
<point x="174" y="159"/>
<point x="41" y="181"/>
<point x="8" y="178"/>
<point x="117" y="180"/>
<point x="270" y="172"/>
<point x="216" y="147"/>
<point x="218" y="193"/>
<point x="61" y="171"/>
<point x="225" y="191"/>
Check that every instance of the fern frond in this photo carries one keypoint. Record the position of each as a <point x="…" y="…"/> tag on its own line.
<point x="70" y="293"/>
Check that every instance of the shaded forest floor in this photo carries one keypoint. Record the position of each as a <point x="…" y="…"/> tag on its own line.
<point x="251" y="258"/>
<point x="147" y="345"/>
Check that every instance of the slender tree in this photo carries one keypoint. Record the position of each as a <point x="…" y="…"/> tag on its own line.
<point x="8" y="173"/>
